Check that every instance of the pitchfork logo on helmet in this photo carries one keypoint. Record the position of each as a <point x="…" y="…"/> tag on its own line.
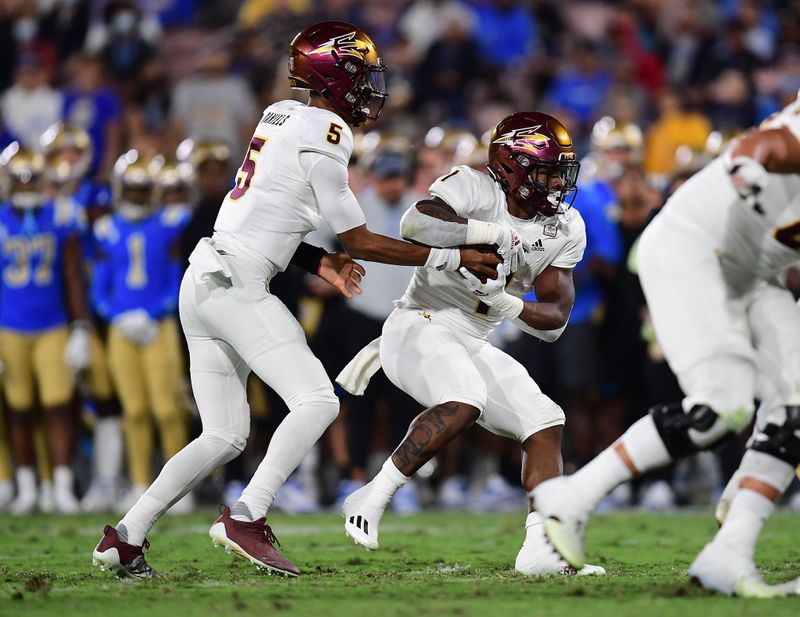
<point x="344" y="45"/>
<point x="532" y="159"/>
<point x="526" y="138"/>
<point x="340" y="62"/>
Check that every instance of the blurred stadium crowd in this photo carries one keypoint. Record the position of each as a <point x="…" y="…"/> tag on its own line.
<point x="123" y="124"/>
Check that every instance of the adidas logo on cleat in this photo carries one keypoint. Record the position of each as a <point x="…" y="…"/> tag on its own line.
<point x="360" y="522"/>
<point x="537" y="246"/>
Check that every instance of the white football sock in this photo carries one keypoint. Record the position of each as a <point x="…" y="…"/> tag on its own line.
<point x="384" y="485"/>
<point x="749" y="511"/>
<point x="62" y="479"/>
<point x="108" y="448"/>
<point x="600" y="476"/>
<point x="180" y="475"/>
<point x="26" y="481"/>
<point x="645" y="446"/>
<point x="295" y="436"/>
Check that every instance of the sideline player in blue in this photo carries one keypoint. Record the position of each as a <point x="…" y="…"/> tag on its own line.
<point x="68" y="152"/>
<point x="135" y="288"/>
<point x="44" y="327"/>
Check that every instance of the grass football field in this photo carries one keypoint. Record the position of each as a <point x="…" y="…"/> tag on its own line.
<point x="432" y="564"/>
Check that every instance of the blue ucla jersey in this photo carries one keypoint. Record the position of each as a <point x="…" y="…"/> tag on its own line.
<point x="32" y="241"/>
<point x="137" y="266"/>
<point x="90" y="195"/>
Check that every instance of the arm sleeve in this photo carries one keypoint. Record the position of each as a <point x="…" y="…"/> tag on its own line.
<point x="431" y="231"/>
<point x="548" y="336"/>
<point x="328" y="179"/>
<point x="308" y="257"/>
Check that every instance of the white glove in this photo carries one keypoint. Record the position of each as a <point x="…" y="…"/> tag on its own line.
<point x="137" y="326"/>
<point x="78" y="352"/>
<point x="493" y="292"/>
<point x="510" y="245"/>
<point x="749" y="179"/>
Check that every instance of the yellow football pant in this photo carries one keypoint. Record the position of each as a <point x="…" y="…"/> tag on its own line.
<point x="148" y="380"/>
<point x="5" y="453"/>
<point x="35" y="362"/>
<point x="99" y="375"/>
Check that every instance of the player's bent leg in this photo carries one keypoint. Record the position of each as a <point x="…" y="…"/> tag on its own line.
<point x="429" y="432"/>
<point x="768" y="467"/>
<point x="428" y="361"/>
<point x="669" y="432"/>
<point x="281" y="358"/>
<point x="218" y="376"/>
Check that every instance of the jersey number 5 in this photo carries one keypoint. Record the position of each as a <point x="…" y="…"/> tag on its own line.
<point x="245" y="174"/>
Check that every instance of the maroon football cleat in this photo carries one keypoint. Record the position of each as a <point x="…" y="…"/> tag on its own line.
<point x="253" y="541"/>
<point x="121" y="558"/>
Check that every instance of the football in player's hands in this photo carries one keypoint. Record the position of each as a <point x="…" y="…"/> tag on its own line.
<point x="749" y="178"/>
<point x="512" y="248"/>
<point x="485" y="290"/>
<point x="485" y="262"/>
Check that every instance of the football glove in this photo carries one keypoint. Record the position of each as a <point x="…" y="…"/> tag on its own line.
<point x="749" y="179"/>
<point x="493" y="293"/>
<point x="78" y="352"/>
<point x="137" y="326"/>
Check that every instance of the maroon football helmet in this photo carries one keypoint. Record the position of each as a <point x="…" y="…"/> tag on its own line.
<point x="339" y="61"/>
<point x="532" y="158"/>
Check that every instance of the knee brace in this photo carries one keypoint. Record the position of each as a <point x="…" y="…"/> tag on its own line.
<point x="684" y="433"/>
<point x="781" y="440"/>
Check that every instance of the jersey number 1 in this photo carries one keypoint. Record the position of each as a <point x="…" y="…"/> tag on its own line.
<point x="245" y="174"/>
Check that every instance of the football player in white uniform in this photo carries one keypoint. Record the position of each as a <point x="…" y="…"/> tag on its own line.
<point x="709" y="265"/>
<point x="434" y="345"/>
<point x="294" y="175"/>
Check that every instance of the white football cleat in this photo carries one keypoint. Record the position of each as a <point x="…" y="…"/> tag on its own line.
<point x="564" y="519"/>
<point x="100" y="497"/>
<point x="361" y="520"/>
<point x="537" y="557"/>
<point x="66" y="502"/>
<point x="6" y="494"/>
<point x="751" y="588"/>
<point x="24" y="504"/>
<point x="720" y="567"/>
<point x="47" y="498"/>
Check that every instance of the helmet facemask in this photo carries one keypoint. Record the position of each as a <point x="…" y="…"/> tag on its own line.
<point x="548" y="187"/>
<point x="135" y="201"/>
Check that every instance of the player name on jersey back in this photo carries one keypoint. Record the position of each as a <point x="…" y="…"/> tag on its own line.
<point x="272" y="206"/>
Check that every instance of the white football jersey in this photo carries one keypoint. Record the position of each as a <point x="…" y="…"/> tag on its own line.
<point x="272" y="206"/>
<point x="752" y="246"/>
<point x="558" y="241"/>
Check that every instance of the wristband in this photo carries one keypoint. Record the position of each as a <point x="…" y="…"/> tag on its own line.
<point x="308" y="257"/>
<point x="443" y="259"/>
<point x="508" y="305"/>
<point x="481" y="232"/>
